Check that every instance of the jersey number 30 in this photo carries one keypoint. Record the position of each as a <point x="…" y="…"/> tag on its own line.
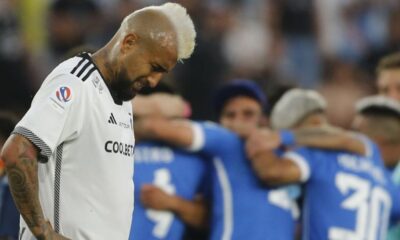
<point x="371" y="205"/>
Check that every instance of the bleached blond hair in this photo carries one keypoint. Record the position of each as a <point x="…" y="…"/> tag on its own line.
<point x="184" y="28"/>
<point x="182" y="24"/>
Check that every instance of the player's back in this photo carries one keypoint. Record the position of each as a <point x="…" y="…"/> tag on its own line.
<point x="243" y="208"/>
<point x="348" y="196"/>
<point x="174" y="171"/>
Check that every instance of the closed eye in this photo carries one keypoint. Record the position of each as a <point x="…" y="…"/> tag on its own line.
<point x="158" y="68"/>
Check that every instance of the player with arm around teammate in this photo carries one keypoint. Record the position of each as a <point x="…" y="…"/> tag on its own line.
<point x="70" y="158"/>
<point x="242" y="207"/>
<point x="168" y="180"/>
<point x="388" y="84"/>
<point x="378" y="117"/>
<point x="347" y="195"/>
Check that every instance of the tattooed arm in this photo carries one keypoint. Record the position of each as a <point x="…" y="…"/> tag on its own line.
<point x="329" y="138"/>
<point x="20" y="159"/>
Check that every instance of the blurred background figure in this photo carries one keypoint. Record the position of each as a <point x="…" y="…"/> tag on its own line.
<point x="388" y="76"/>
<point x="379" y="118"/>
<point x="170" y="183"/>
<point x="9" y="215"/>
<point x="342" y="85"/>
<point x="15" y="74"/>
<point x="331" y="176"/>
<point x="70" y="23"/>
<point x="388" y="85"/>
<point x="237" y="195"/>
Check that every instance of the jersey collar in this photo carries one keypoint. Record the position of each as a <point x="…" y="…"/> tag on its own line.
<point x="113" y="93"/>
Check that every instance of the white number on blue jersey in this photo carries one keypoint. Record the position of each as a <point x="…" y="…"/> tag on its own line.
<point x="367" y="202"/>
<point x="162" y="219"/>
<point x="281" y="198"/>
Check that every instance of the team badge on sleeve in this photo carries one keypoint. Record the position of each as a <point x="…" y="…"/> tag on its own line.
<point x="64" y="94"/>
<point x="61" y="98"/>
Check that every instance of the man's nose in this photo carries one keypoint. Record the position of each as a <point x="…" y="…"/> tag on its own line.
<point x="154" y="79"/>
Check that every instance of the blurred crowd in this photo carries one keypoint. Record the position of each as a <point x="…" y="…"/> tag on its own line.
<point x="332" y="46"/>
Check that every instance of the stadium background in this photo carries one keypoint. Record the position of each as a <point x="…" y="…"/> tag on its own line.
<point x="332" y="46"/>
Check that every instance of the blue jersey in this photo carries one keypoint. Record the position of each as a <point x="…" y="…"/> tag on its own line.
<point x="347" y="196"/>
<point x="394" y="230"/>
<point x="243" y="208"/>
<point x="174" y="171"/>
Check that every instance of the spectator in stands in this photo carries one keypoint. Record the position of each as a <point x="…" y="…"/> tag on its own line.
<point x="9" y="216"/>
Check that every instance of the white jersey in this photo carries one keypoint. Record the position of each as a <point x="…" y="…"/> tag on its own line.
<point x="86" y="142"/>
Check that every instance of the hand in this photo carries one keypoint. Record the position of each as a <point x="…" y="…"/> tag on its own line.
<point x="170" y="106"/>
<point x="143" y="127"/>
<point x="243" y="129"/>
<point x="161" y="105"/>
<point x="261" y="140"/>
<point x="155" y="198"/>
<point x="50" y="234"/>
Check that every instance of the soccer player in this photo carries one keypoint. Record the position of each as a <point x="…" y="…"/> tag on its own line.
<point x="388" y="84"/>
<point x="388" y="76"/>
<point x="347" y="195"/>
<point x="168" y="181"/>
<point x="242" y="207"/>
<point x="379" y="118"/>
<point x="70" y="158"/>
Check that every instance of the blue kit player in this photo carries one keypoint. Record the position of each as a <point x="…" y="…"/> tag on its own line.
<point x="168" y="181"/>
<point x="242" y="207"/>
<point x="378" y="117"/>
<point x="347" y="195"/>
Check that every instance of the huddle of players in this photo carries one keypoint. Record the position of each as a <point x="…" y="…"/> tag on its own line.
<point x="241" y="180"/>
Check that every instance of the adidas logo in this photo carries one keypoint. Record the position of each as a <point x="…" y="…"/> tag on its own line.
<point x="112" y="120"/>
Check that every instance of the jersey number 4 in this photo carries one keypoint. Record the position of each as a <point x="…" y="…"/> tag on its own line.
<point x="162" y="219"/>
<point x="371" y="205"/>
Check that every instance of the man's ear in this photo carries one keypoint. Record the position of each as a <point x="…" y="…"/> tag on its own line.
<point x="129" y="42"/>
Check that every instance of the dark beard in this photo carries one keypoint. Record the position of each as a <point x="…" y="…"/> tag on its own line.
<point x="125" y="89"/>
<point x="122" y="88"/>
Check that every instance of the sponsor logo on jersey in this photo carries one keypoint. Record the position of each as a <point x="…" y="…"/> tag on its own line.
<point x="119" y="148"/>
<point x="64" y="94"/>
<point x="113" y="121"/>
<point x="97" y="84"/>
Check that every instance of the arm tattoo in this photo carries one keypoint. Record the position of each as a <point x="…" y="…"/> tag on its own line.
<point x="309" y="136"/>
<point x="23" y="180"/>
<point x="330" y="138"/>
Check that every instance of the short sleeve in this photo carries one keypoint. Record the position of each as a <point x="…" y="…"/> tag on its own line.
<point x="395" y="212"/>
<point x="370" y="147"/>
<point x="211" y="138"/>
<point x="301" y="158"/>
<point x="55" y="114"/>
